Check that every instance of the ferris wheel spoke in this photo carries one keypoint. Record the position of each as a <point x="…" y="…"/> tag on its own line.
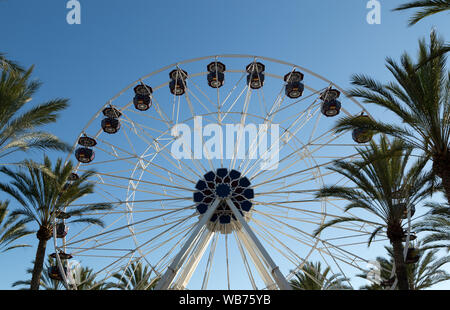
<point x="294" y="228"/>
<point x="157" y="236"/>
<point x="305" y="153"/>
<point x="242" y="123"/>
<point x="305" y="179"/>
<point x="204" y="95"/>
<point x="189" y="92"/>
<point x="145" y="163"/>
<point x="164" y="261"/>
<point x="221" y="105"/>
<point x="136" y="189"/>
<point x="324" y="214"/>
<point x="145" y="182"/>
<point x="343" y="245"/>
<point x="299" y="172"/>
<point x="227" y="262"/>
<point x="287" y="134"/>
<point x="300" y="210"/>
<point x="114" y="230"/>
<point x="298" y="219"/>
<point x="304" y="149"/>
<point x="120" y="238"/>
<point x="301" y="100"/>
<point x="347" y="260"/>
<point x="133" y="126"/>
<point x="120" y="202"/>
<point x="198" y="165"/>
<point x="212" y="250"/>
<point x="337" y="264"/>
<point x="161" y="113"/>
<point x="157" y="145"/>
<point x="246" y="88"/>
<point x="348" y="213"/>
<point x="301" y="237"/>
<point x="268" y="118"/>
<point x="90" y="225"/>
<point x="245" y="261"/>
<point x="294" y="258"/>
<point x="328" y="244"/>
<point x="317" y="223"/>
<point x="207" y="272"/>
<point x="158" y="150"/>
<point x="151" y="118"/>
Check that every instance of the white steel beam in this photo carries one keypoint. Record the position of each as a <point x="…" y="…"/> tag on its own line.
<point x="194" y="259"/>
<point x="280" y="280"/>
<point x="178" y="261"/>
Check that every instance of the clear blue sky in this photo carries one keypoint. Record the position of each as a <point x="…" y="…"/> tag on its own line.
<point x="119" y="41"/>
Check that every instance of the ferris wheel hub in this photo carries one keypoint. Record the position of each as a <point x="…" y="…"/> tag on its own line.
<point x="223" y="190"/>
<point x="221" y="185"/>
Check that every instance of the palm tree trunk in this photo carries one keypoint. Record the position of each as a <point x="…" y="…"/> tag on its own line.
<point x="446" y="183"/>
<point x="441" y="166"/>
<point x="38" y="265"/>
<point x="400" y="267"/>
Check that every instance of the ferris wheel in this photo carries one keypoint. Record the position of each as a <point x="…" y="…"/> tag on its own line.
<point x="212" y="165"/>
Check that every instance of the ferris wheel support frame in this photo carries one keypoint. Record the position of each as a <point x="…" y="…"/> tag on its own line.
<point x="199" y="243"/>
<point x="168" y="277"/>
<point x="280" y="280"/>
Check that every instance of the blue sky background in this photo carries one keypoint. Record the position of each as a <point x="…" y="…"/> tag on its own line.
<point x="119" y="41"/>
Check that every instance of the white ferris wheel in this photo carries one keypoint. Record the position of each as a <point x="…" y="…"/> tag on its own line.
<point x="206" y="207"/>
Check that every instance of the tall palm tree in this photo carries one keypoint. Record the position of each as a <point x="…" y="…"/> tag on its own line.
<point x="135" y="277"/>
<point x="437" y="224"/>
<point x="10" y="230"/>
<point x="20" y="122"/>
<point x="386" y="189"/>
<point x="42" y="192"/>
<point x="312" y="277"/>
<point x="426" y="8"/>
<point x="424" y="274"/>
<point x="419" y="97"/>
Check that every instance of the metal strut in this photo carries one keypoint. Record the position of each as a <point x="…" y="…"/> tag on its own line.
<point x="178" y="261"/>
<point x="280" y="280"/>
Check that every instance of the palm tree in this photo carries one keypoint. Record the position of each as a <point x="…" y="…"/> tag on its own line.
<point x="10" y="230"/>
<point x="420" y="98"/>
<point x="386" y="189"/>
<point x="19" y="123"/>
<point x="426" y="8"/>
<point x="312" y="277"/>
<point x="6" y="64"/>
<point x="42" y="193"/>
<point x="437" y="224"/>
<point x="424" y="274"/>
<point x="135" y="277"/>
<point x="84" y="275"/>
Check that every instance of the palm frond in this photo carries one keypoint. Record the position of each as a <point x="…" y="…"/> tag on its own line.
<point x="426" y="8"/>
